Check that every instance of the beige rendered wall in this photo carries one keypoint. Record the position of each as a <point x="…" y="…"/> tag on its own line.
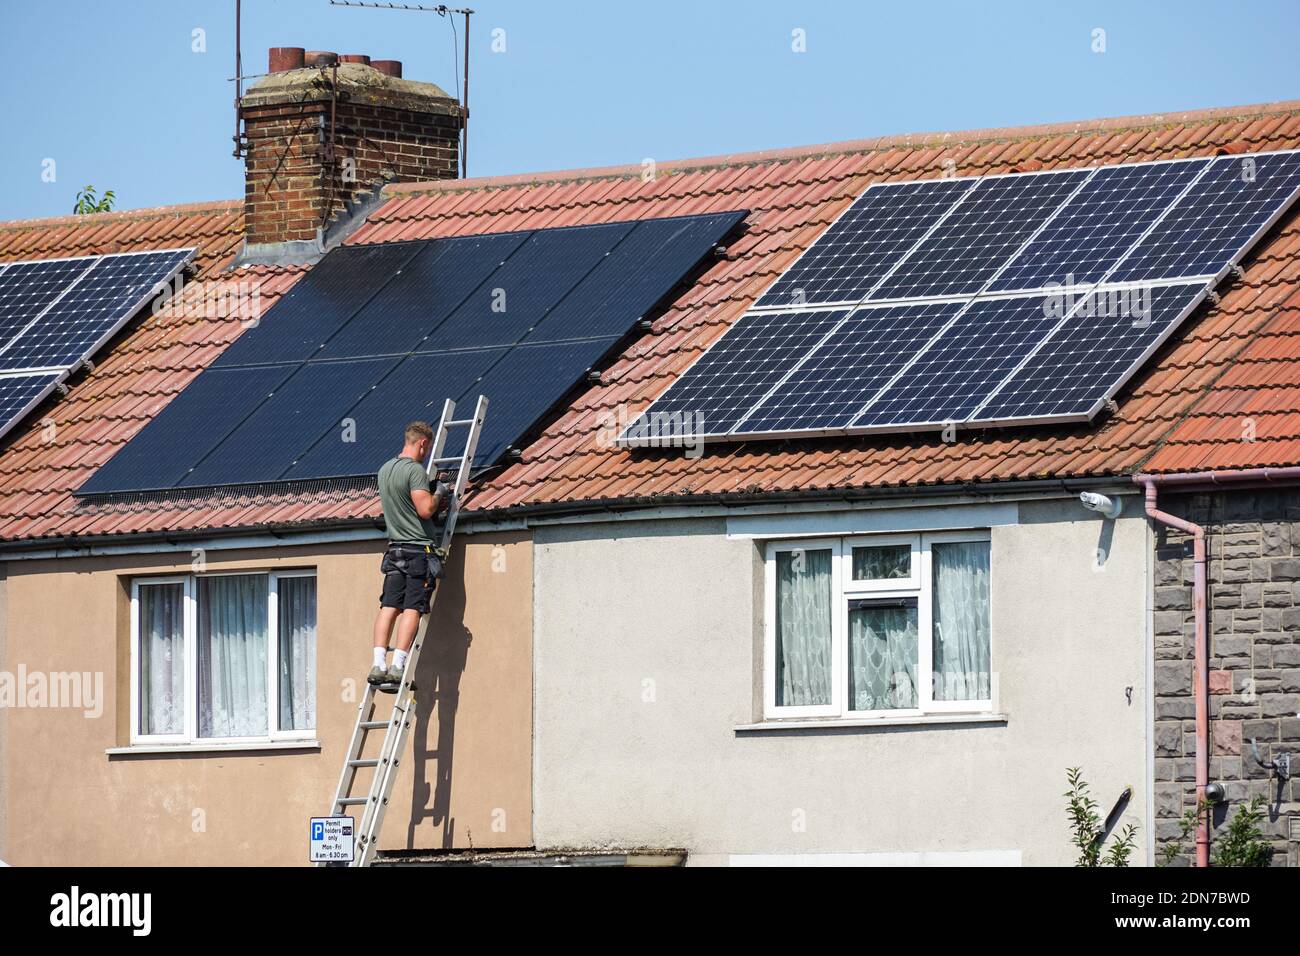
<point x="648" y="639"/>
<point x="70" y="803"/>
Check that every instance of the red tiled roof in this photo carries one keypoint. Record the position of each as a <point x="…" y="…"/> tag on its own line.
<point x="1188" y="410"/>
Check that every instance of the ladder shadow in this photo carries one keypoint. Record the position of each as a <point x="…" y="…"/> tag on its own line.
<point x="437" y="679"/>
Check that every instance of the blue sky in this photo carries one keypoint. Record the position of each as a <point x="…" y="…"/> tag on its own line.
<point x="113" y="92"/>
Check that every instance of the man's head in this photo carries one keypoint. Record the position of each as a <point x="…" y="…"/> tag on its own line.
<point x="419" y="439"/>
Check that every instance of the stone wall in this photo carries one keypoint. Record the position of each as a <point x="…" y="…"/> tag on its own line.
<point x="1253" y="554"/>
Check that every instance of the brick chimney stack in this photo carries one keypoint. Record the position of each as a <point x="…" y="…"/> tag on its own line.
<point x="325" y="132"/>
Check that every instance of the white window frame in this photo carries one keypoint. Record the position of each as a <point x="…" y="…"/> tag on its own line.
<point x="837" y="638"/>
<point x="190" y="645"/>
<point x="844" y="590"/>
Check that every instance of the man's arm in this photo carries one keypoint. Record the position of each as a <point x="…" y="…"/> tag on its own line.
<point x="428" y="500"/>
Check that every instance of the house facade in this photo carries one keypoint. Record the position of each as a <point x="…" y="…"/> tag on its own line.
<point x="662" y="650"/>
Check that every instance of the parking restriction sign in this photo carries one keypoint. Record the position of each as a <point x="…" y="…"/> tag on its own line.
<point x="331" y="840"/>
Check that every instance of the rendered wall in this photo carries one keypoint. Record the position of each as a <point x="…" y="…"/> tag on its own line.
<point x="68" y="802"/>
<point x="648" y="640"/>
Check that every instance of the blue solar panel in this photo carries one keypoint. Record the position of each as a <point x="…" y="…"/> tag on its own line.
<point x="955" y="374"/>
<point x="1099" y="224"/>
<point x="91" y="309"/>
<point x="976" y="239"/>
<point x="842" y="374"/>
<point x="1092" y="353"/>
<point x="1217" y="219"/>
<point x="28" y="288"/>
<point x="739" y="369"/>
<point x="20" y="393"/>
<point x="860" y="247"/>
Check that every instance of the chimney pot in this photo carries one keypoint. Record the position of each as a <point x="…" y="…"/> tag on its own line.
<point x="321" y="58"/>
<point x="388" y="67"/>
<point x="284" y="58"/>
<point x="355" y="58"/>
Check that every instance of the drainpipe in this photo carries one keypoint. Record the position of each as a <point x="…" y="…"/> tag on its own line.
<point x="1200" y="677"/>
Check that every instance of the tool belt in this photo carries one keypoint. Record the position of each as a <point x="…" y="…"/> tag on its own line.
<point x="414" y="561"/>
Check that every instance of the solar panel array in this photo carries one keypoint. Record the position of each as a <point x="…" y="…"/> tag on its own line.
<point x="1020" y="298"/>
<point x="55" y="313"/>
<point x="375" y="336"/>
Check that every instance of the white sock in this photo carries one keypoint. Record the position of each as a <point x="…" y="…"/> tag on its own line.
<point x="381" y="654"/>
<point x="399" y="659"/>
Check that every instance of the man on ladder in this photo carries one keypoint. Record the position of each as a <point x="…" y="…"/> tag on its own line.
<point x="412" y="563"/>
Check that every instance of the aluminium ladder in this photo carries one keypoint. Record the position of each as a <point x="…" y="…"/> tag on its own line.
<point x="398" y="724"/>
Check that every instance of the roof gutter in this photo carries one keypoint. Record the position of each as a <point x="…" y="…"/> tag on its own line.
<point x="1192" y="482"/>
<point x="307" y="532"/>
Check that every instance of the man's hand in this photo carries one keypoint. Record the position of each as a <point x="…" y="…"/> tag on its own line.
<point x="442" y="494"/>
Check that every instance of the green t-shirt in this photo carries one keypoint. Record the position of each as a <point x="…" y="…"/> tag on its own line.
<point x="397" y="479"/>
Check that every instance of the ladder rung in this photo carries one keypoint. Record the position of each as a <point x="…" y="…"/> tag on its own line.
<point x="373" y="724"/>
<point x="366" y="762"/>
<point x="352" y="801"/>
<point x="454" y="423"/>
<point x="448" y="458"/>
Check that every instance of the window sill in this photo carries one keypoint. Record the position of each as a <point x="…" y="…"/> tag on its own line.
<point x="867" y="723"/>
<point x="266" y="745"/>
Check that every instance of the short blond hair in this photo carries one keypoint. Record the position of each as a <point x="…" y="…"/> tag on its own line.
<point x="417" y="430"/>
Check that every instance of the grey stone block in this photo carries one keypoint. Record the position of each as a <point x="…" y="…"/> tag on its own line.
<point x="1280" y="705"/>
<point x="1173" y="679"/>
<point x="1286" y="655"/>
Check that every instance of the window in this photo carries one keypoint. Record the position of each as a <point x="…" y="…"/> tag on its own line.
<point x="879" y="625"/>
<point x="223" y="658"/>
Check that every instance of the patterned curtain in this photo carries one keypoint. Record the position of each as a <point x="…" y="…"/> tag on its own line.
<point x="162" y="658"/>
<point x="232" y="655"/>
<point x="803" y="627"/>
<point x="961" y="620"/>
<point x="297" y="625"/>
<point x="882" y="658"/>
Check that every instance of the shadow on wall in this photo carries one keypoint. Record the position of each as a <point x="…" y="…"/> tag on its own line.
<point x="437" y="681"/>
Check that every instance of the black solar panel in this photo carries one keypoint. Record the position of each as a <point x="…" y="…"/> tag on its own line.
<point x="862" y="245"/>
<point x="314" y="400"/>
<point x="976" y="239"/>
<point x="538" y="275"/>
<point x="191" y="425"/>
<point x="1092" y="353"/>
<point x="527" y="377"/>
<point x="375" y="336"/>
<point x="628" y="280"/>
<point x="842" y="374"/>
<point x="319" y="304"/>
<point x="422" y="293"/>
<point x="1217" y="219"/>
<point x="415" y="389"/>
